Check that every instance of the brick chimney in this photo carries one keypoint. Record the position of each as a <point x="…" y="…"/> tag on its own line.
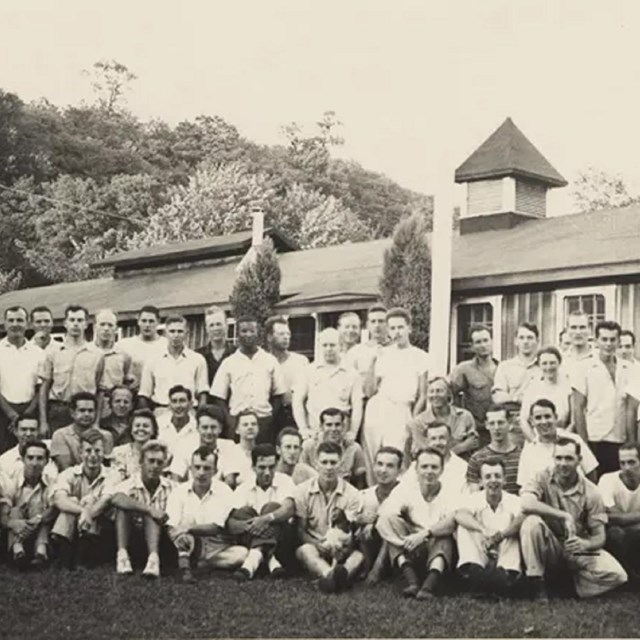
<point x="506" y="180"/>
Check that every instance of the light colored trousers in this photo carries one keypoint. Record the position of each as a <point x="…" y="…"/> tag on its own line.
<point x="470" y="549"/>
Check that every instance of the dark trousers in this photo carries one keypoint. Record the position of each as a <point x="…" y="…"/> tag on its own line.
<point x="606" y="454"/>
<point x="624" y="544"/>
<point x="7" y="430"/>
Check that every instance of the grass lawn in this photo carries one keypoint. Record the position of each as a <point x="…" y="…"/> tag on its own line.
<point x="98" y="604"/>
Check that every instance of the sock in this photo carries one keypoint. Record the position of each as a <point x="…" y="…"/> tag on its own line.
<point x="253" y="561"/>
<point x="274" y="563"/>
<point x="401" y="560"/>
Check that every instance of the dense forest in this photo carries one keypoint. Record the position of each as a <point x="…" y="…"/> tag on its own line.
<point x="81" y="182"/>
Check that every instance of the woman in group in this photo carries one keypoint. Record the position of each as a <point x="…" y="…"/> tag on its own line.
<point x="144" y="427"/>
<point x="550" y="383"/>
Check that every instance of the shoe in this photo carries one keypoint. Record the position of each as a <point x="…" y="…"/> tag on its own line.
<point x="39" y="560"/>
<point x="242" y="574"/>
<point x="329" y="583"/>
<point x="341" y="578"/>
<point x="411" y="579"/>
<point x="20" y="560"/>
<point x="65" y="553"/>
<point x="537" y="590"/>
<point x="186" y="576"/>
<point x="123" y="564"/>
<point x="152" y="570"/>
<point x="429" y="586"/>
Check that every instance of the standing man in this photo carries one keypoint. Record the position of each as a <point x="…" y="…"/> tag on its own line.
<point x="581" y="349"/>
<point x="42" y="324"/>
<point x="176" y="365"/>
<point x="198" y="510"/>
<point x="328" y="383"/>
<point x="499" y="448"/>
<point x="397" y="388"/>
<point x="621" y="496"/>
<point x="349" y="329"/>
<point x="294" y="366"/>
<point x="117" y="363"/>
<point x="217" y="348"/>
<point x="417" y="522"/>
<point x="564" y="342"/>
<point x="627" y="348"/>
<point x="565" y="527"/>
<point x="289" y="450"/>
<point x="603" y="413"/>
<point x="251" y="379"/>
<point x="20" y="363"/>
<point x="147" y="344"/>
<point x="472" y="380"/>
<point x="77" y="366"/>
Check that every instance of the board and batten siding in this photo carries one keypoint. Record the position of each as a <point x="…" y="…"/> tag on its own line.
<point x="537" y="307"/>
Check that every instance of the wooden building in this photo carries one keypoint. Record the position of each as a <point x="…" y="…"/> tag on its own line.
<point x="511" y="263"/>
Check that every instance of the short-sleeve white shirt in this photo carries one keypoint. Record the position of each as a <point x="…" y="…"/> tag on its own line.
<point x="399" y="371"/>
<point x="616" y="495"/>
<point x="249" y="494"/>
<point x="19" y="370"/>
<point x="510" y="507"/>
<point x="185" y="509"/>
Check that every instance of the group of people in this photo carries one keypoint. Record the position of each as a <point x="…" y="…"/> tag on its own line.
<point x="502" y="477"/>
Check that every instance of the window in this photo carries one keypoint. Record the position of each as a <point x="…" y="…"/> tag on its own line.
<point x="596" y="303"/>
<point x="487" y="311"/>
<point x="232" y="336"/>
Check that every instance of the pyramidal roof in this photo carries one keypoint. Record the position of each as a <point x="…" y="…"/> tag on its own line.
<point x="508" y="152"/>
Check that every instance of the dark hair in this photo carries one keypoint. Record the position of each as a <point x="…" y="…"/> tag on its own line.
<point x="272" y="322"/>
<point x="211" y="411"/>
<point x="393" y="451"/>
<point x="246" y="412"/>
<point x="246" y="319"/>
<point x="330" y="411"/>
<point x="92" y="435"/>
<point x="529" y="326"/>
<point x="561" y="334"/>
<point x="72" y="308"/>
<point x="495" y="407"/>
<point x="377" y="307"/>
<point x="553" y="351"/>
<point x="477" y="328"/>
<point x="565" y="442"/>
<point x="34" y="443"/>
<point x="627" y="332"/>
<point x="329" y="447"/>
<point x="149" y="308"/>
<point x="438" y="424"/>
<point x="430" y="451"/>
<point x="149" y="415"/>
<point x="399" y="312"/>
<point x="543" y="402"/>
<point x="178" y="388"/>
<point x="203" y="453"/>
<point x="14" y="309"/>
<point x="608" y="325"/>
<point x="40" y="309"/>
<point x="288" y="431"/>
<point x="492" y="462"/>
<point x="630" y="445"/>
<point x="175" y="320"/>
<point x="264" y="450"/>
<point x="82" y="395"/>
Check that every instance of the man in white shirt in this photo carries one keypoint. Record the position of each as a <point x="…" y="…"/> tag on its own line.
<point x="581" y="349"/>
<point x="20" y="362"/>
<point x="179" y="423"/>
<point x="177" y="364"/>
<point x="417" y="522"/>
<point x="254" y="500"/>
<point x="488" y="530"/>
<point x="621" y="496"/>
<point x="537" y="456"/>
<point x="197" y="514"/>
<point x="252" y="379"/>
<point x="147" y="345"/>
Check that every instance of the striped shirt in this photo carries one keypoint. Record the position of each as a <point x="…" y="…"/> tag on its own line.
<point x="134" y="488"/>
<point x="510" y="459"/>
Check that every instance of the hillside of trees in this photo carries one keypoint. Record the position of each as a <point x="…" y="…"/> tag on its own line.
<point x="82" y="182"/>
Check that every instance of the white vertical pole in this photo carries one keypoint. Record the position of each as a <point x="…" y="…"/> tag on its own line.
<point x="441" y="239"/>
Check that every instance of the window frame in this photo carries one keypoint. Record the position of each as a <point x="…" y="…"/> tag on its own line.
<point x="608" y="291"/>
<point x="496" y="325"/>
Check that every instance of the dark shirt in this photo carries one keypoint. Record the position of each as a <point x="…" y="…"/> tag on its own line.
<point x="510" y="459"/>
<point x="212" y="364"/>
<point x="113" y="426"/>
<point x="475" y="384"/>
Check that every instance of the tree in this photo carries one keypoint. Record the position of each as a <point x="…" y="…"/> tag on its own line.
<point x="596" y="189"/>
<point x="110" y="81"/>
<point x="406" y="275"/>
<point x="256" y="290"/>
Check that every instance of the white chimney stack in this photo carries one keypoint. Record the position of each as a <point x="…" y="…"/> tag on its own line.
<point x="257" y="226"/>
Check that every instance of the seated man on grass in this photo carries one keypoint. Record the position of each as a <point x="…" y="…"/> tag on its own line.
<point x="82" y="495"/>
<point x="621" y="496"/>
<point x="254" y="502"/>
<point x="197" y="513"/>
<point x="489" y="522"/>
<point x="386" y="470"/>
<point x="565" y="528"/>
<point x="325" y="505"/>
<point x="334" y="427"/>
<point x="141" y="506"/>
<point x="26" y="511"/>
<point x="417" y="522"/>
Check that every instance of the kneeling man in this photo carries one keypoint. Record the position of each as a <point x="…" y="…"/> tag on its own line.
<point x="197" y="514"/>
<point x="565" y="527"/>
<point x="417" y="522"/>
<point x="488" y="526"/>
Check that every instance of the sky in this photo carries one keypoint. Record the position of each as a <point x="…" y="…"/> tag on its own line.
<point x="418" y="85"/>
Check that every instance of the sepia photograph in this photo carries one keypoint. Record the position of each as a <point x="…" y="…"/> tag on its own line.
<point x="318" y="319"/>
